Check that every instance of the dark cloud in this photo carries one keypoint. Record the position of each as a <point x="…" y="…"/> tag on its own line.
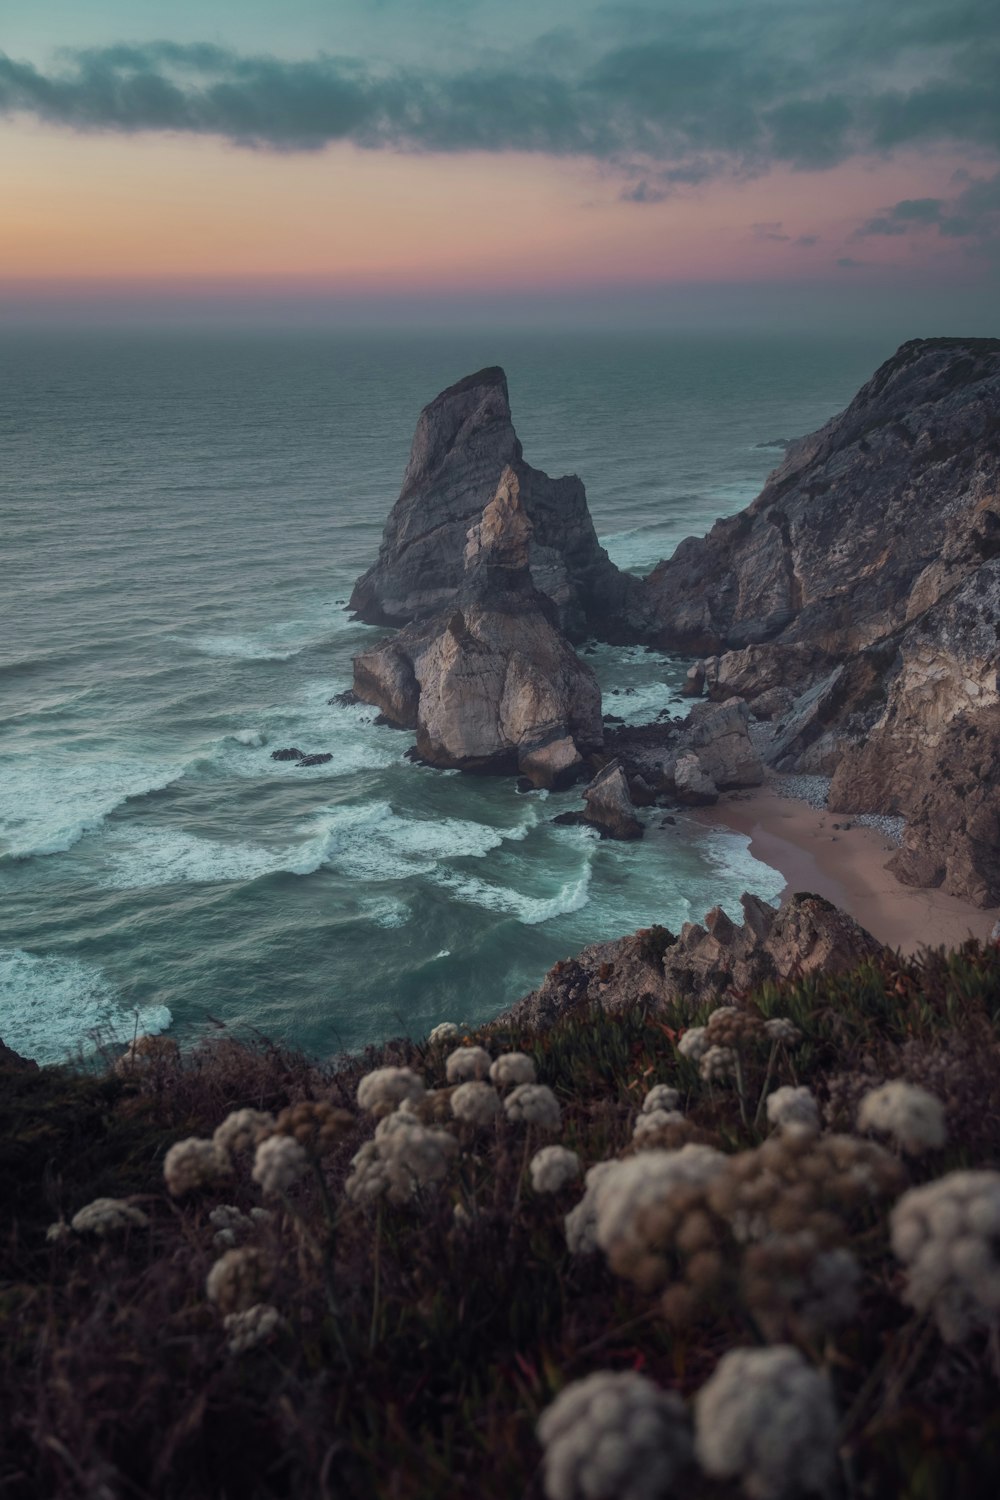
<point x="848" y="262"/>
<point x="973" y="215"/>
<point x="769" y="231"/>
<point x="807" y="240"/>
<point x="703" y="88"/>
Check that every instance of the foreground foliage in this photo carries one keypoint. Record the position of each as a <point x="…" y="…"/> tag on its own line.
<point x="372" y="1309"/>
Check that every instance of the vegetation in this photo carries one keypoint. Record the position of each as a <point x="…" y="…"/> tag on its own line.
<point x="370" y="1343"/>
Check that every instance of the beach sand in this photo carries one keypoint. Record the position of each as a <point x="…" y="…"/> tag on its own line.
<point x="846" y="865"/>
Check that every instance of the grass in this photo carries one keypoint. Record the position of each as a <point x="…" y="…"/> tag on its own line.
<point x="449" y="1338"/>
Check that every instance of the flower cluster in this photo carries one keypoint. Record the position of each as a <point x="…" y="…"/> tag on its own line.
<point x="252" y="1327"/>
<point x="947" y="1235"/>
<point x="767" y="1418"/>
<point x="475" y="1103"/>
<point x="552" y="1168"/>
<point x="533" y="1104"/>
<point x="467" y="1063"/>
<point x="783" y="1031"/>
<point x="717" y="1064"/>
<point x="404" y="1159"/>
<point x="193" y="1164"/>
<point x="650" y="1122"/>
<point x="238" y="1280"/>
<point x="642" y="1182"/>
<point x="279" y="1164"/>
<point x="661" y="1096"/>
<point x="242" y="1129"/>
<point x="231" y="1224"/>
<point x="731" y="1027"/>
<point x="912" y="1117"/>
<point x="581" y="1221"/>
<point x="444" y="1031"/>
<point x="793" y="1106"/>
<point x="791" y="1285"/>
<point x="613" y="1437"/>
<point x="384" y="1090"/>
<point x="512" y="1068"/>
<point x="316" y="1124"/>
<point x="108" y="1216"/>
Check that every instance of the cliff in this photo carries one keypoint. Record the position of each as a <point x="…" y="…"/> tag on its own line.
<point x="490" y="684"/>
<point x="463" y="442"/>
<point x="854" y="606"/>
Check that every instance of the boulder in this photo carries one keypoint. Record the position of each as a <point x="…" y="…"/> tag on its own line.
<point x="609" y="807"/>
<point x="720" y="735"/>
<point x="464" y="441"/>
<point x="490" y="685"/>
<point x="692" y="786"/>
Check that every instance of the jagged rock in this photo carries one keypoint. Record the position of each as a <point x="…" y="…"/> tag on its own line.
<point x="290" y="754"/>
<point x="694" y="680"/>
<point x="319" y="759"/>
<point x="720" y="735"/>
<point x="463" y="442"/>
<point x="703" y="963"/>
<point x="14" y="1061"/>
<point x="692" y="786"/>
<point x="491" y="684"/>
<point x="609" y="807"/>
<point x="864" y="580"/>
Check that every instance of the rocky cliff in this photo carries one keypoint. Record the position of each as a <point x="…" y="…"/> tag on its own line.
<point x="464" y="440"/>
<point x="490" y="684"/>
<point x="855" y="607"/>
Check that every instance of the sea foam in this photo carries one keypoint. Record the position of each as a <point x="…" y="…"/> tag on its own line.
<point x="52" y="1008"/>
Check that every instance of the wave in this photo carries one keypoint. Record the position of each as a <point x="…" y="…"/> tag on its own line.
<point x="52" y="1008"/>
<point x="529" y="910"/>
<point x="240" y="647"/>
<point x="50" y="806"/>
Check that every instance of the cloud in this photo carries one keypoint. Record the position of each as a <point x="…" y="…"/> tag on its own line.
<point x="703" y="88"/>
<point x="769" y="231"/>
<point x="807" y="240"/>
<point x="849" y="263"/>
<point x="973" y="215"/>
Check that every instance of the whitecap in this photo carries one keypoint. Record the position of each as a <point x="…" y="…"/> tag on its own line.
<point x="141" y="856"/>
<point x="49" y="804"/>
<point x="239" y="647"/>
<point x="530" y="910"/>
<point x="51" y="1008"/>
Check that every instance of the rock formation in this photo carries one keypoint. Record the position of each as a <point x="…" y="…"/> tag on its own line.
<point x="703" y="963"/>
<point x="490" y="684"/>
<point x="463" y="442"/>
<point x="854" y="606"/>
<point x="608" y="805"/>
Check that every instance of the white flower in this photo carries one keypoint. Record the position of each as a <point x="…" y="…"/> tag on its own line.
<point x="913" y="1117"/>
<point x="512" y="1067"/>
<point x="781" y="1029"/>
<point x="661" y="1096"/>
<point x="230" y="1225"/>
<point x="552" y="1168"/>
<point x="404" y="1159"/>
<point x="58" y="1231"/>
<point x="279" y="1163"/>
<point x="792" y="1106"/>
<point x="385" y="1089"/>
<point x="444" y="1031"/>
<point x="475" y="1103"/>
<point x="581" y="1221"/>
<point x="251" y="1327"/>
<point x="466" y="1063"/>
<point x="694" y="1043"/>
<point x="236" y="1280"/>
<point x="108" y="1216"/>
<point x="767" y="1418"/>
<point x="613" y="1437"/>
<point x="242" y="1129"/>
<point x="717" y="1063"/>
<point x="947" y="1235"/>
<point x="533" y="1104"/>
<point x="194" y="1163"/>
<point x="641" y="1182"/>
<point x="654" y="1120"/>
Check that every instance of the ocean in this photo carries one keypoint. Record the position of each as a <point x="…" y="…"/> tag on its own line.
<point x="183" y="515"/>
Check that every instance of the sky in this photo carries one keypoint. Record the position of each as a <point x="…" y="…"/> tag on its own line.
<point x="795" y="161"/>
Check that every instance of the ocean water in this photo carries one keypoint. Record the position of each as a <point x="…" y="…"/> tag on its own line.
<point x="182" y="517"/>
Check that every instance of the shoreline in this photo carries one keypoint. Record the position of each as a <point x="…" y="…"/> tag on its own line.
<point x="834" y="856"/>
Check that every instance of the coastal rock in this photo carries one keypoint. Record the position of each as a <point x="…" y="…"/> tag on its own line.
<point x="853" y="606"/>
<point x="319" y="759"/>
<point x="704" y="962"/>
<point x="464" y="441"/>
<point x="609" y="807"/>
<point x="289" y="754"/>
<point x="692" y="786"/>
<point x="490" y="685"/>
<point x="719" y="733"/>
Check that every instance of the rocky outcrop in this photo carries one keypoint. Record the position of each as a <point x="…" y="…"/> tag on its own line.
<point x="704" y="963"/>
<point x="491" y="684"/>
<point x="609" y="805"/>
<point x="854" y="607"/>
<point x="464" y="441"/>
<point x="692" y="786"/>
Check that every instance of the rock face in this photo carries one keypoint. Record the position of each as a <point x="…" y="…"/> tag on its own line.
<point x="704" y="962"/>
<point x="464" y="441"/>
<point x="490" y="684"/>
<point x="854" y="607"/>
<point x="609" y="806"/>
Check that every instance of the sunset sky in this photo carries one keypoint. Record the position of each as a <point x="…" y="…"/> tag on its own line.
<point x="372" y="156"/>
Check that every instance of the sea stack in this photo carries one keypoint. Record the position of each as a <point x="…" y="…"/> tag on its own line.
<point x="464" y="441"/>
<point x="490" y="684"/>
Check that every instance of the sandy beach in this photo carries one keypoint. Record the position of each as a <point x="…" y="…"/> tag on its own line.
<point x="846" y="865"/>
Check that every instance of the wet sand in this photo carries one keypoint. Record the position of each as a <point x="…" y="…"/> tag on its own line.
<point x="846" y="865"/>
